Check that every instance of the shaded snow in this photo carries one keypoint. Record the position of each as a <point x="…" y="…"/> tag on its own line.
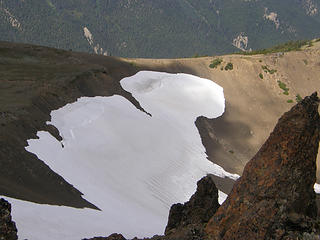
<point x="131" y="165"/>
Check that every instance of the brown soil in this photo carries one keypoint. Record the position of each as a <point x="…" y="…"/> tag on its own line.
<point x="253" y="105"/>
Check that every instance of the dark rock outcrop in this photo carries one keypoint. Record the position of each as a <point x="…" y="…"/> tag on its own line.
<point x="274" y="198"/>
<point x="113" y="236"/>
<point x="187" y="221"/>
<point x="8" y="230"/>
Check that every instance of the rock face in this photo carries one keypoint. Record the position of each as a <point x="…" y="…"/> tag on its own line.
<point x="274" y="198"/>
<point x="186" y="221"/>
<point x="8" y="230"/>
<point x="113" y="236"/>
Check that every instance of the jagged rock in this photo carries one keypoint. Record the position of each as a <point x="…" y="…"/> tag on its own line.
<point x="186" y="221"/>
<point x="274" y="198"/>
<point x="113" y="236"/>
<point x="8" y="230"/>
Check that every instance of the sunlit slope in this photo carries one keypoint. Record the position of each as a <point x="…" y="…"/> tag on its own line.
<point x="253" y="104"/>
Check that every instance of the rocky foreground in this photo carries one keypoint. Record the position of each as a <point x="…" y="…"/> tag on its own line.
<point x="274" y="198"/>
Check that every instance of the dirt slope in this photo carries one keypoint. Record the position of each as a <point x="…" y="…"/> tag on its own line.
<point x="253" y="105"/>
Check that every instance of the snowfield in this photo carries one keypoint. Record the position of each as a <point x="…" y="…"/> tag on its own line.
<point x="129" y="164"/>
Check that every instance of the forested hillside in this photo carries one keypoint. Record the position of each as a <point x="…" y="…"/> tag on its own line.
<point x="161" y="29"/>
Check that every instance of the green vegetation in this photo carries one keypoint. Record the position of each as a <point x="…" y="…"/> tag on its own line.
<point x="305" y="61"/>
<point x="199" y="56"/>
<point x="51" y="4"/>
<point x="229" y="66"/>
<point x="215" y="63"/>
<point x="290" y="101"/>
<point x="261" y="75"/>
<point x="298" y="98"/>
<point x="286" y="47"/>
<point x="267" y="70"/>
<point x="283" y="86"/>
<point x="133" y="64"/>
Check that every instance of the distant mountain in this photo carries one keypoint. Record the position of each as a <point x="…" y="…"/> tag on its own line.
<point x="158" y="29"/>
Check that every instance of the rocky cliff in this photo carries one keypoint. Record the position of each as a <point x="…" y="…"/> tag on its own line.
<point x="274" y="198"/>
<point x="8" y="230"/>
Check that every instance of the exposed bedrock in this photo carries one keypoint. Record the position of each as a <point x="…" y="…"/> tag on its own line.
<point x="187" y="221"/>
<point x="274" y="198"/>
<point x="113" y="236"/>
<point x="8" y="230"/>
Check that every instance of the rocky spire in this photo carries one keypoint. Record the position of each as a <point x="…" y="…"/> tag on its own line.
<point x="274" y="198"/>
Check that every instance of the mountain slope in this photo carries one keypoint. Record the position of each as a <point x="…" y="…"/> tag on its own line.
<point x="36" y="80"/>
<point x="154" y="28"/>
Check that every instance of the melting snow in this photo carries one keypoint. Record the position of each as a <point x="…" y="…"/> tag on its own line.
<point x="131" y="165"/>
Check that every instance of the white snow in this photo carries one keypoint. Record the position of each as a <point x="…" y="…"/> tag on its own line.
<point x="131" y="165"/>
<point x="316" y="188"/>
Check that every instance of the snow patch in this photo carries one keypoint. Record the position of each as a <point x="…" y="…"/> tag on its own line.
<point x="222" y="197"/>
<point x="130" y="165"/>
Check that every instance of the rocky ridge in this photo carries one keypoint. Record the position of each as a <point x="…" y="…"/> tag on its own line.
<point x="274" y="198"/>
